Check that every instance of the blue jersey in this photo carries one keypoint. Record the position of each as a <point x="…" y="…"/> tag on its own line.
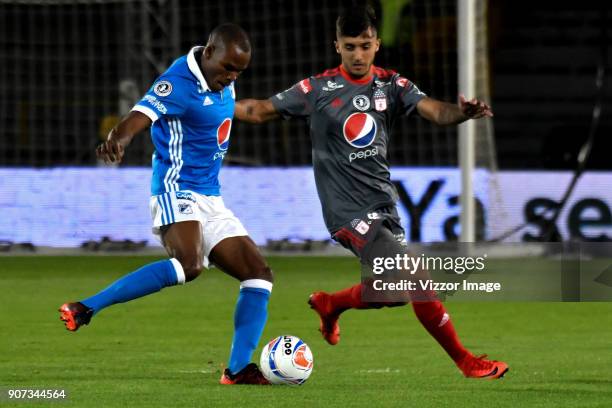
<point x="190" y="130"/>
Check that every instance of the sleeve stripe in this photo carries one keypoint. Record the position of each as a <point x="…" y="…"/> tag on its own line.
<point x="147" y="111"/>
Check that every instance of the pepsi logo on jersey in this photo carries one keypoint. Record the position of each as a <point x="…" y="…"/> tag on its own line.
<point x="223" y="136"/>
<point x="360" y="131"/>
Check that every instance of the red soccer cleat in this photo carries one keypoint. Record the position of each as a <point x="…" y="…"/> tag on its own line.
<point x="248" y="375"/>
<point x="480" y="367"/>
<point x="75" y="315"/>
<point x="329" y="328"/>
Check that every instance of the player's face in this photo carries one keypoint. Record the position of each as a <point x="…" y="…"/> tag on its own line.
<point x="223" y="65"/>
<point x="358" y="52"/>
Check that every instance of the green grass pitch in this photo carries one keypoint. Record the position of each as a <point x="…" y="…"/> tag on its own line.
<point x="168" y="349"/>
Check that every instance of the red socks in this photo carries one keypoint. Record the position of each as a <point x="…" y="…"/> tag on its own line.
<point x="349" y="298"/>
<point x="431" y="314"/>
<point x="434" y="318"/>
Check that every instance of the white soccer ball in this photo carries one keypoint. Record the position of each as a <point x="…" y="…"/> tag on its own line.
<point x="286" y="360"/>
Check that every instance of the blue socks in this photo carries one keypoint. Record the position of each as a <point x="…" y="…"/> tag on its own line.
<point x="249" y="317"/>
<point x="149" y="279"/>
<point x="249" y="320"/>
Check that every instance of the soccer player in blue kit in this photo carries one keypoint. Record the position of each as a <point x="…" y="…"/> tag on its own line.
<point x="350" y="111"/>
<point x="189" y="109"/>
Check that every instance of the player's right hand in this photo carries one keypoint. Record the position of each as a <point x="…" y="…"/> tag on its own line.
<point x="110" y="151"/>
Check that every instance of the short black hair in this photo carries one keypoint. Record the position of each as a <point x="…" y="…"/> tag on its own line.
<point x="355" y="20"/>
<point x="230" y="33"/>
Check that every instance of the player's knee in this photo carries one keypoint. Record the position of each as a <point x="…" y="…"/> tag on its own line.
<point x="263" y="272"/>
<point x="192" y="267"/>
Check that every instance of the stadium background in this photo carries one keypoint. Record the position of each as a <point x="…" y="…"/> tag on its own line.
<point x="70" y="68"/>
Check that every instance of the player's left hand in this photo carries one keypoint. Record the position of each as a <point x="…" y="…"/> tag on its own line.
<point x="474" y="108"/>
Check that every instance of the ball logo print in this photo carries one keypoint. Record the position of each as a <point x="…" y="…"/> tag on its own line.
<point x="302" y="358"/>
<point x="359" y="129"/>
<point x="223" y="134"/>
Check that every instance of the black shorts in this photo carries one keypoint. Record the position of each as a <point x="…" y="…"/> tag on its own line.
<point x="360" y="235"/>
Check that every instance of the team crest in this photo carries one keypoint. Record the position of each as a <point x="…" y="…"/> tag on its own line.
<point x="162" y="88"/>
<point x="185" y="208"/>
<point x="362" y="227"/>
<point x="380" y="100"/>
<point x="361" y="102"/>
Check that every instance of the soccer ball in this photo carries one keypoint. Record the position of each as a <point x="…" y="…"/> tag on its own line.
<point x="286" y="360"/>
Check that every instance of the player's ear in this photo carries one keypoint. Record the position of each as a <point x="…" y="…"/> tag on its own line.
<point x="208" y="50"/>
<point x="377" y="44"/>
<point x="337" y="47"/>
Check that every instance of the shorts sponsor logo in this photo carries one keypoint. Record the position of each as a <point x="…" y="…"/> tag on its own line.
<point x="207" y="101"/>
<point x="161" y="108"/>
<point x="362" y="228"/>
<point x="181" y="195"/>
<point x="162" y="88"/>
<point x="305" y="85"/>
<point x="361" y="102"/>
<point x="185" y="208"/>
<point x="359" y="129"/>
<point x="373" y="216"/>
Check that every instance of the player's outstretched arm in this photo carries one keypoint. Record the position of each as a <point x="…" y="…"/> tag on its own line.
<point x="255" y="110"/>
<point x="121" y="135"/>
<point x="444" y="113"/>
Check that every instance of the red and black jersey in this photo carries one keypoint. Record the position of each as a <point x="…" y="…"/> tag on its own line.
<point x="349" y="124"/>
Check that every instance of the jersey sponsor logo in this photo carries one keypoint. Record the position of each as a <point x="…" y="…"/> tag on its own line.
<point x="359" y="129"/>
<point x="361" y="102"/>
<point x="162" y="88"/>
<point x="223" y="134"/>
<point x="181" y="195"/>
<point x="161" y="108"/>
<point x="305" y="85"/>
<point x="207" y="101"/>
<point x="363" y="154"/>
<point x="332" y="86"/>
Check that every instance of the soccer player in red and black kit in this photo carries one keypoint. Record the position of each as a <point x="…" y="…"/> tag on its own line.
<point x="350" y="111"/>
